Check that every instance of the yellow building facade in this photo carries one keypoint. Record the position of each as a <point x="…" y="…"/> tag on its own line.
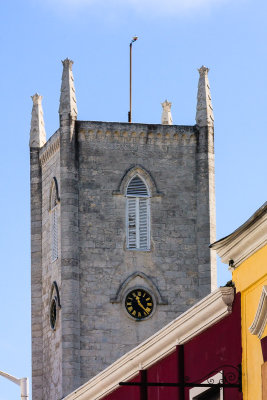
<point x="245" y="251"/>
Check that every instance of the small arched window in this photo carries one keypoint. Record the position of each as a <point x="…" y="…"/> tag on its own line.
<point x="54" y="305"/>
<point x="138" y="215"/>
<point x="54" y="199"/>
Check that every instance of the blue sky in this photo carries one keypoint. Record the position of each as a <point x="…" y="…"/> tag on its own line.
<point x="175" y="38"/>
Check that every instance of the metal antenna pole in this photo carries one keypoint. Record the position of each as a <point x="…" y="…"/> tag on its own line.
<point x="130" y="112"/>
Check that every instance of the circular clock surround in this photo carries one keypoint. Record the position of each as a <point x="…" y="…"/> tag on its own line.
<point x="139" y="303"/>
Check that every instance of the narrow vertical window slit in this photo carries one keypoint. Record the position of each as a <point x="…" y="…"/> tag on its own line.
<point x="54" y="220"/>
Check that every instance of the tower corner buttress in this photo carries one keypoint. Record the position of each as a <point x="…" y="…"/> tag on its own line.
<point x="205" y="185"/>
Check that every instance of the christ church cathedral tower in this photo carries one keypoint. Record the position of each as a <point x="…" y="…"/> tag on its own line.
<point x="122" y="215"/>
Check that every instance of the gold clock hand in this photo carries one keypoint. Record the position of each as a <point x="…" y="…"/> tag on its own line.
<point x="140" y="304"/>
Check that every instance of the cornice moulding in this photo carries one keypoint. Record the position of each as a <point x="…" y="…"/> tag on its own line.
<point x="143" y="136"/>
<point x="50" y="148"/>
<point x="244" y="241"/>
<point x="203" y="315"/>
<point x="260" y="320"/>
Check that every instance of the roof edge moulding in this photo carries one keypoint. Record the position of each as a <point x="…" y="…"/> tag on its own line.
<point x="244" y="241"/>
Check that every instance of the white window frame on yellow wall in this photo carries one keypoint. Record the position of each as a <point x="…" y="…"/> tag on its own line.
<point x="137" y="215"/>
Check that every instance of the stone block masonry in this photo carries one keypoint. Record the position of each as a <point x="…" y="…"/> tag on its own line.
<point x="92" y="164"/>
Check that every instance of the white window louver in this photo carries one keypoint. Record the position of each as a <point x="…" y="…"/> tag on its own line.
<point x="137" y="215"/>
<point x="131" y="223"/>
<point x="137" y="187"/>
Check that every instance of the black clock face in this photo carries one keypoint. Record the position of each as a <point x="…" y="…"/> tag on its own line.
<point x="139" y="303"/>
<point x="53" y="313"/>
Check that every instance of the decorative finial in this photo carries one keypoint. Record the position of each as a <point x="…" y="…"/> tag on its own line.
<point x="166" y="117"/>
<point x="203" y="70"/>
<point x="204" y="114"/>
<point x="67" y="63"/>
<point x="37" y="134"/>
<point x="67" y="97"/>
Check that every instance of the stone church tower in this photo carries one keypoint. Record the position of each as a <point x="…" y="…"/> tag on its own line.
<point x="122" y="216"/>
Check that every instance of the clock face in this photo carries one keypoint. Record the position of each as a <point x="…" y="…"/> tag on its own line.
<point x="139" y="303"/>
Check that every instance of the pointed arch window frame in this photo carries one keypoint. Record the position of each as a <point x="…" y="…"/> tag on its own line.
<point x="53" y="209"/>
<point x="138" y="217"/>
<point x="154" y="193"/>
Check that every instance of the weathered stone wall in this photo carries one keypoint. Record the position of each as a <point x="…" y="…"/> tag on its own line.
<point x="93" y="164"/>
<point x="170" y="155"/>
<point x="51" y="271"/>
<point x="70" y="274"/>
<point x="36" y="274"/>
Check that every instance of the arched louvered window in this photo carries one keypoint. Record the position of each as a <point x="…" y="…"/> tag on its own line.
<point x="54" y="220"/>
<point x="138" y="215"/>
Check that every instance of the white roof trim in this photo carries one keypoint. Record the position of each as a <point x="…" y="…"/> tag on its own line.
<point x="260" y="320"/>
<point x="245" y="241"/>
<point x="198" y="318"/>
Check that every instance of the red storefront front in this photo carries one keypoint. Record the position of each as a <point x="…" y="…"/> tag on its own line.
<point x="207" y="352"/>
